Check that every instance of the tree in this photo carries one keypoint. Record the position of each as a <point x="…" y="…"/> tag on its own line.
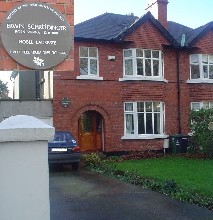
<point x="4" y="91"/>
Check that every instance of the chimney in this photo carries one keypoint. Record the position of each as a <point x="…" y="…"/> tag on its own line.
<point x="158" y="8"/>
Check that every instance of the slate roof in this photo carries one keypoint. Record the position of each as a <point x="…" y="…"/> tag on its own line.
<point x="176" y="30"/>
<point x="193" y="35"/>
<point x="105" y="27"/>
<point x="114" y="27"/>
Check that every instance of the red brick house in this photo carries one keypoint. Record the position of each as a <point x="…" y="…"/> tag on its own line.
<point x="134" y="81"/>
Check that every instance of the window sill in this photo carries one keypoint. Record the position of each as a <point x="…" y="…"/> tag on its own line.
<point x="127" y="78"/>
<point x="199" y="81"/>
<point x="138" y="137"/>
<point x="90" y="77"/>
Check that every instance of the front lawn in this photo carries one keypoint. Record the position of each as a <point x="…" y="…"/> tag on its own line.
<point x="185" y="179"/>
<point x="194" y="174"/>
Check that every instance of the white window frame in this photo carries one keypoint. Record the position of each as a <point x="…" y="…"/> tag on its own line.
<point x="204" y="104"/>
<point x="134" y="134"/>
<point x="200" y="65"/>
<point x="134" y="58"/>
<point x="89" y="75"/>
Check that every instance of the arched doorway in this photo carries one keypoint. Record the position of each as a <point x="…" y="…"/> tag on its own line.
<point x="90" y="130"/>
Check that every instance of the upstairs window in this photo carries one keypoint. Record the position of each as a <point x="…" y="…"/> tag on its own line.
<point x="143" y="63"/>
<point x="144" y="118"/>
<point x="201" y="67"/>
<point x="88" y="61"/>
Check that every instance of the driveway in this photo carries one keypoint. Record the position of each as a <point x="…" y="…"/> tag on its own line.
<point x="85" y="195"/>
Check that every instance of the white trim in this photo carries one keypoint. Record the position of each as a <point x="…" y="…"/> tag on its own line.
<point x="141" y="78"/>
<point x="199" y="81"/>
<point x="89" y="58"/>
<point x="201" y="105"/>
<point x="89" y="77"/>
<point x="134" y="133"/>
<point x="200" y="64"/>
<point x="134" y="58"/>
<point x="137" y="137"/>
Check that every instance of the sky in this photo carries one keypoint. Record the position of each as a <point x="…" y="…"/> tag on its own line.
<point x="191" y="13"/>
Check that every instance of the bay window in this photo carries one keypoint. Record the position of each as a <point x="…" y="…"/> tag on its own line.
<point x="143" y="63"/>
<point x="143" y="118"/>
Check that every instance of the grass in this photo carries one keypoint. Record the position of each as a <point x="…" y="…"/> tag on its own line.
<point x="191" y="174"/>
<point x="183" y="178"/>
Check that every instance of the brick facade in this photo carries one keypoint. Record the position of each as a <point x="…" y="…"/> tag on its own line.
<point x="107" y="96"/>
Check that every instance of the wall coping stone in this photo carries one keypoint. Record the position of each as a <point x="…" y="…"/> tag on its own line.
<point x="25" y="128"/>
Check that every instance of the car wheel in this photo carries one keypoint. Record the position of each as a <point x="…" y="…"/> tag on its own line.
<point x="75" y="166"/>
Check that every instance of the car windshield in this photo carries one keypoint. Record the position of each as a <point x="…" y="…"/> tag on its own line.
<point x="59" y="137"/>
<point x="62" y="137"/>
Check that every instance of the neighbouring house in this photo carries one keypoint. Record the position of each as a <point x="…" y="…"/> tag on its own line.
<point x="134" y="81"/>
<point x="32" y="95"/>
<point x="32" y="85"/>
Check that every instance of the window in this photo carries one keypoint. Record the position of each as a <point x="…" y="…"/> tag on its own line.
<point x="201" y="67"/>
<point x="143" y="118"/>
<point x="88" y="61"/>
<point x="196" y="106"/>
<point x="143" y="63"/>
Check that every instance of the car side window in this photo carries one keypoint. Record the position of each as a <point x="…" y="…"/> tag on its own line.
<point x="68" y="137"/>
<point x="58" y="137"/>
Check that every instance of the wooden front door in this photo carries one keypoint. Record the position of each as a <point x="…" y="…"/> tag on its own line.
<point x="90" y="131"/>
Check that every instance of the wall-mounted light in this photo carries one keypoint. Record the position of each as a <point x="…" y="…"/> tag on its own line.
<point x="111" y="58"/>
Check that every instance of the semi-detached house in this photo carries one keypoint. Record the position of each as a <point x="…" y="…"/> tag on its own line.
<point x="134" y="81"/>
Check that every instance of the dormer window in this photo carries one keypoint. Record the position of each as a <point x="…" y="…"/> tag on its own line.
<point x="143" y="64"/>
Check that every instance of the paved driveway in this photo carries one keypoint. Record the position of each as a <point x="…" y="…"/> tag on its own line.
<point x="85" y="195"/>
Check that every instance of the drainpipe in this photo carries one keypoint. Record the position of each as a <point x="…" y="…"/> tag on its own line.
<point x="182" y="45"/>
<point x="178" y="90"/>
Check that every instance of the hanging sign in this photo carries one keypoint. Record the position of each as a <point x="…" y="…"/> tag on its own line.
<point x="36" y="35"/>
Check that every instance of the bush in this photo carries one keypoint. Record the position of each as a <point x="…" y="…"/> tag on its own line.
<point x="138" y="155"/>
<point x="202" y="136"/>
<point x="91" y="159"/>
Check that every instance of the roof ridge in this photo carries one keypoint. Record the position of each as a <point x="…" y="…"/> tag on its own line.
<point x="181" y="24"/>
<point x="90" y="19"/>
<point x="104" y="14"/>
<point x="122" y="32"/>
<point x="126" y="28"/>
<point x="198" y="32"/>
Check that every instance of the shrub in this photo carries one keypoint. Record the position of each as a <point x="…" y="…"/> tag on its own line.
<point x="138" y="155"/>
<point x="202" y="136"/>
<point x="91" y="159"/>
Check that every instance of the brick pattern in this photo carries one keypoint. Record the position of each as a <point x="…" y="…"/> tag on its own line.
<point x="107" y="96"/>
<point x="66" y="7"/>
